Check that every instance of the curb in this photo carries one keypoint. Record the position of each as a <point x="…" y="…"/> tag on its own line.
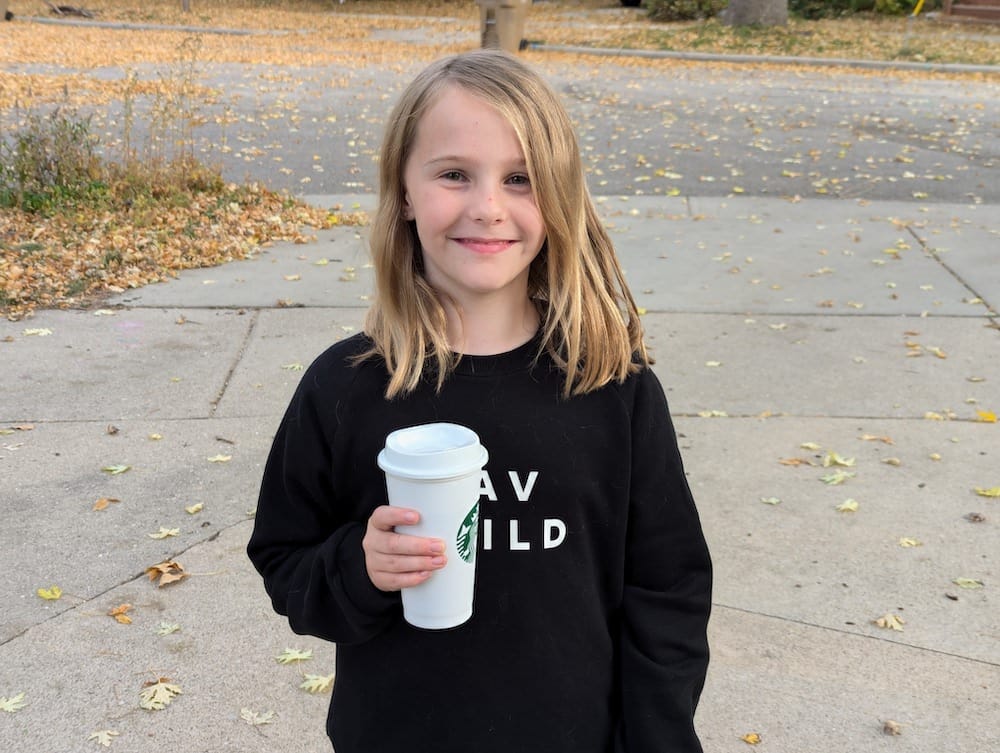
<point x="769" y="59"/>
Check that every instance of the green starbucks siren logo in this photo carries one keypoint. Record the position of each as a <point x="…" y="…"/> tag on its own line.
<point x="465" y="540"/>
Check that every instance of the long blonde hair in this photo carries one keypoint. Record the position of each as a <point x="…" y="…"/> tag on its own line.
<point x="590" y="323"/>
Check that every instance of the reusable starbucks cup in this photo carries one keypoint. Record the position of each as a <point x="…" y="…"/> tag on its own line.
<point x="435" y="469"/>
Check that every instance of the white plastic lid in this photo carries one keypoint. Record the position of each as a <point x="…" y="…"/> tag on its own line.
<point x="439" y="450"/>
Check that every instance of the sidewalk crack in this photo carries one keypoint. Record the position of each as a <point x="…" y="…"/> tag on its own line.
<point x="236" y="362"/>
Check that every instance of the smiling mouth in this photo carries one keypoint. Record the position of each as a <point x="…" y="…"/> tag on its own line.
<point x="485" y="245"/>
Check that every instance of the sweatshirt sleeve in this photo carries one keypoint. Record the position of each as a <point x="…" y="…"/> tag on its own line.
<point x="303" y="544"/>
<point x="663" y="645"/>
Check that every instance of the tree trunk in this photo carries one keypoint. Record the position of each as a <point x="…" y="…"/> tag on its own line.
<point x="759" y="12"/>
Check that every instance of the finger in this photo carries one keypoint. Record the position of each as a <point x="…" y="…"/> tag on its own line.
<point x="386" y="517"/>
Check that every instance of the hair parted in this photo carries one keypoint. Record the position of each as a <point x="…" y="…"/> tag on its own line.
<point x="590" y="323"/>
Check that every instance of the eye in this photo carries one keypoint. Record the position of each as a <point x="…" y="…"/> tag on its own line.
<point x="452" y="175"/>
<point x="519" y="179"/>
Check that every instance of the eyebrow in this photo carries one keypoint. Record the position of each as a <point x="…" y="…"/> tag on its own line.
<point x="447" y="158"/>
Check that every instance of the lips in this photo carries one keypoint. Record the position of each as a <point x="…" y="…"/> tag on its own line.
<point x="485" y="245"/>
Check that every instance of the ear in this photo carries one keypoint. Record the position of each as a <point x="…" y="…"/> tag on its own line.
<point x="407" y="208"/>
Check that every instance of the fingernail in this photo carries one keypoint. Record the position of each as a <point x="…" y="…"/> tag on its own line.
<point x="437" y="547"/>
<point x="411" y="517"/>
<point x="438" y="561"/>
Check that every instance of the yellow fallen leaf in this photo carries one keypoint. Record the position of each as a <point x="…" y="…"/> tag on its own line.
<point x="220" y="458"/>
<point x="991" y="492"/>
<point x="12" y="704"/>
<point x="890" y="622"/>
<point x="848" y="505"/>
<point x="316" y="683"/>
<point x="52" y="593"/>
<point x="195" y="508"/>
<point x="986" y="416"/>
<point x="907" y="543"/>
<point x="292" y="278"/>
<point x="164" y="533"/>
<point x="770" y="500"/>
<point x="103" y="502"/>
<point x="103" y="737"/>
<point x="120" y="613"/>
<point x="968" y="583"/>
<point x="158" y="694"/>
<point x="876" y="438"/>
<point x="837" y="477"/>
<point x="751" y="738"/>
<point x="832" y="459"/>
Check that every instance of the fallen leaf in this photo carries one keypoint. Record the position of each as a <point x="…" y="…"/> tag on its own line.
<point x="848" y="505"/>
<point x="12" y="704"/>
<point x="120" y="613"/>
<point x="290" y="655"/>
<point x="254" y="719"/>
<point x="875" y="438"/>
<point x="892" y="461"/>
<point x="751" y="738"/>
<point x="168" y="628"/>
<point x="103" y="737"/>
<point x="832" y="459"/>
<point x="713" y="414"/>
<point x="796" y="461"/>
<point x="890" y="727"/>
<point x="975" y="517"/>
<point x="968" y="583"/>
<point x="116" y="470"/>
<point x="837" y="477"/>
<point x="103" y="503"/>
<point x="770" y="500"/>
<point x="52" y="593"/>
<point x="37" y="332"/>
<point x="907" y="543"/>
<point x="292" y="278"/>
<point x="986" y="416"/>
<point x="155" y="437"/>
<point x="810" y="446"/>
<point x="993" y="491"/>
<point x="168" y="572"/>
<point x="316" y="683"/>
<point x="164" y="533"/>
<point x="158" y="694"/>
<point x="890" y="622"/>
<point x="293" y="366"/>
<point x="195" y="508"/>
<point x="220" y="458"/>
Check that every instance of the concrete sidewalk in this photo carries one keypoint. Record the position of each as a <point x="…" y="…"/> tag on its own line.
<point x="848" y="325"/>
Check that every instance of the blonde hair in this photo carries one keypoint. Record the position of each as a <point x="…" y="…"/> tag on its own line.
<point x="590" y="323"/>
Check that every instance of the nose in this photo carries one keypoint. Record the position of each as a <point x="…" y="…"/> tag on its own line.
<point x="488" y="207"/>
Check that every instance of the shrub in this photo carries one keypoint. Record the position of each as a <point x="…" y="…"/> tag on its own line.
<point x="49" y="161"/>
<point x="683" y="10"/>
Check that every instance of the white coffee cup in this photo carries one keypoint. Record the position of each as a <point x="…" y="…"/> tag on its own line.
<point x="435" y="469"/>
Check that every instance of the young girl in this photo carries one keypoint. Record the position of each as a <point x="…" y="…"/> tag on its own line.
<point x="500" y="306"/>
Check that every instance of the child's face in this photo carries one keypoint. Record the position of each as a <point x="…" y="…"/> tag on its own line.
<point x="467" y="189"/>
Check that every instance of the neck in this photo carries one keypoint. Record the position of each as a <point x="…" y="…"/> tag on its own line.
<point x="491" y="327"/>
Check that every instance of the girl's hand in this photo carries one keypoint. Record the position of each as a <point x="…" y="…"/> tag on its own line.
<point x="397" y="560"/>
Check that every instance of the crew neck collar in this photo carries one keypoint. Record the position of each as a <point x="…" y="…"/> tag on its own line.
<point x="518" y="359"/>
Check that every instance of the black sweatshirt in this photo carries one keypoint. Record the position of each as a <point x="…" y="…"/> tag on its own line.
<point x="593" y="581"/>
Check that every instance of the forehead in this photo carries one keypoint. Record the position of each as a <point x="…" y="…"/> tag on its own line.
<point x="456" y="117"/>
